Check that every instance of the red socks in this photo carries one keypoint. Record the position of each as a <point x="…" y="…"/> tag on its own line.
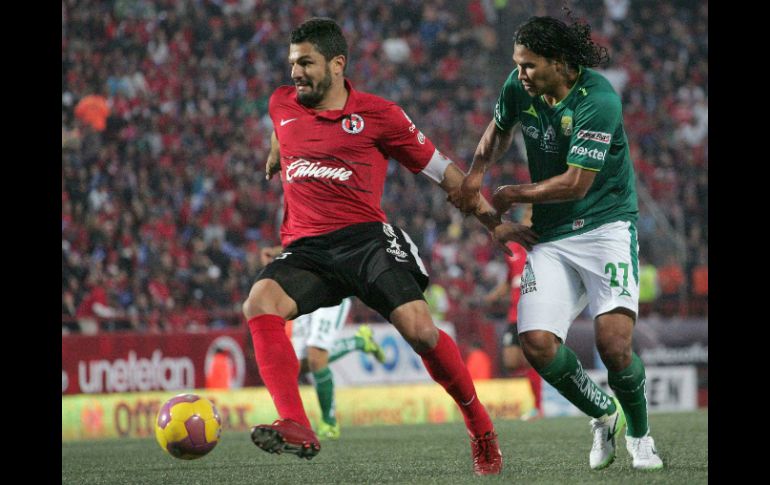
<point x="278" y="366"/>
<point x="536" y="382"/>
<point x="445" y="365"/>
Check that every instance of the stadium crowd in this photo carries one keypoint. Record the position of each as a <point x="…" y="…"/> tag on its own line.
<point x="165" y="134"/>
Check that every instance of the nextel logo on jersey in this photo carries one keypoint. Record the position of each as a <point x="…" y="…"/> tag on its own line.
<point x="353" y="124"/>
<point x="304" y="168"/>
<point x="595" y="136"/>
<point x="593" y="153"/>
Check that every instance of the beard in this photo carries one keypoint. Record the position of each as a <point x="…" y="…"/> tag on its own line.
<point x="317" y="92"/>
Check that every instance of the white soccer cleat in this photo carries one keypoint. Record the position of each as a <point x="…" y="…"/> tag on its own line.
<point x="606" y="430"/>
<point x="643" y="452"/>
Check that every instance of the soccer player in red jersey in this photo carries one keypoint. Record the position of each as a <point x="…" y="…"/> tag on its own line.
<point x="513" y="357"/>
<point x="332" y="146"/>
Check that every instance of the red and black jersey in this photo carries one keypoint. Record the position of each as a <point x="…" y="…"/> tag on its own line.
<point x="515" y="269"/>
<point x="334" y="163"/>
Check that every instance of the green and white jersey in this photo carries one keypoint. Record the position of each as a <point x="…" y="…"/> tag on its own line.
<point x="584" y="129"/>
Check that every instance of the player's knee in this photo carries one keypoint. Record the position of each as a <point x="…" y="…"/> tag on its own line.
<point x="414" y="322"/>
<point x="267" y="298"/>
<point x="513" y="357"/>
<point x="252" y="307"/>
<point x="539" y="347"/>
<point x="317" y="359"/>
<point x="615" y="352"/>
<point x="421" y="337"/>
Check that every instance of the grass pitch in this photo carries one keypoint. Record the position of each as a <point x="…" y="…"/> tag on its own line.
<point x="553" y="450"/>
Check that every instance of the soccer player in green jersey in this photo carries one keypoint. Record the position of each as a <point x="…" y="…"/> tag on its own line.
<point x="584" y="212"/>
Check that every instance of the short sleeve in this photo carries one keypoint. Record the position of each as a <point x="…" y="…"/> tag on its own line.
<point x="595" y="123"/>
<point x="507" y="107"/>
<point x="402" y="141"/>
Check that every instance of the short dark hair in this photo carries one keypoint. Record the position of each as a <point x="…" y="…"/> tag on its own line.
<point x="553" y="39"/>
<point x="324" y="34"/>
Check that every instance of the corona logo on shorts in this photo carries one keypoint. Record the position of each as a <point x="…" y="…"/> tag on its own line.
<point x="353" y="124"/>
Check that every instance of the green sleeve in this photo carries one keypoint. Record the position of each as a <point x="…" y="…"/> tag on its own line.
<point x="507" y="107"/>
<point x="596" y="121"/>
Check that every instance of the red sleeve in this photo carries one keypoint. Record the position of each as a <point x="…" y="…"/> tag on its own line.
<point x="521" y="260"/>
<point x="274" y="104"/>
<point x="517" y="261"/>
<point x="402" y="140"/>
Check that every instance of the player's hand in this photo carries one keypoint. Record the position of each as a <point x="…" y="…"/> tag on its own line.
<point x="272" y="167"/>
<point x="503" y="198"/>
<point x="513" y="231"/>
<point x="267" y="255"/>
<point x="467" y="200"/>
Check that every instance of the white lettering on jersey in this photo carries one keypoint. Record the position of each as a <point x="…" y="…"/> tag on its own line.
<point x="599" y="136"/>
<point x="304" y="168"/>
<point x="593" y="153"/>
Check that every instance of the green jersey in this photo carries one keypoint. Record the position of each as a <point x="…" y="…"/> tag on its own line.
<point x="585" y="129"/>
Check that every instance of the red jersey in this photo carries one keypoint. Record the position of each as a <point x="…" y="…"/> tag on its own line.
<point x="515" y="269"/>
<point x="334" y="163"/>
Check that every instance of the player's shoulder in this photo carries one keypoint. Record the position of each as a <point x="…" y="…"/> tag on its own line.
<point x="371" y="103"/>
<point x="283" y="94"/>
<point x="596" y="85"/>
<point x="512" y="81"/>
<point x="383" y="112"/>
<point x="596" y="90"/>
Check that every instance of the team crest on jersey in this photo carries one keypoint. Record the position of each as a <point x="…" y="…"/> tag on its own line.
<point x="566" y="125"/>
<point x="353" y="124"/>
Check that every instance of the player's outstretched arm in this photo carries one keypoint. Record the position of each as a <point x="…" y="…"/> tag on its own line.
<point x="570" y="185"/>
<point x="268" y="254"/>
<point x="500" y="231"/>
<point x="492" y="146"/>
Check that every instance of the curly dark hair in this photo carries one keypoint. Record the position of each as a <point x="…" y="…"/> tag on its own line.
<point x="324" y="34"/>
<point x="553" y="39"/>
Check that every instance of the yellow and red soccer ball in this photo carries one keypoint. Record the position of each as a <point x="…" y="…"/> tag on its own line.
<point x="188" y="426"/>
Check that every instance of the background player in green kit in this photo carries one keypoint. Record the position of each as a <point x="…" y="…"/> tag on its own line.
<point x="584" y="212"/>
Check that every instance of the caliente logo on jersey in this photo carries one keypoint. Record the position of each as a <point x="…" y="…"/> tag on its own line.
<point x="302" y="168"/>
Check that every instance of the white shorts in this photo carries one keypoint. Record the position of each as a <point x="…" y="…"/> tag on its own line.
<point x="319" y="329"/>
<point x="599" y="268"/>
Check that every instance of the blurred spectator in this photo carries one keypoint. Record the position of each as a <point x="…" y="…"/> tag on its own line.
<point x="69" y="313"/>
<point x="93" y="111"/>
<point x="479" y="363"/>
<point x="220" y="371"/>
<point x="700" y="285"/>
<point x="672" y="281"/>
<point x="95" y="307"/>
<point x="438" y="302"/>
<point x="649" y="286"/>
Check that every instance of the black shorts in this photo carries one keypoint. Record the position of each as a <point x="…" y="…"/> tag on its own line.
<point x="511" y="336"/>
<point x="374" y="261"/>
